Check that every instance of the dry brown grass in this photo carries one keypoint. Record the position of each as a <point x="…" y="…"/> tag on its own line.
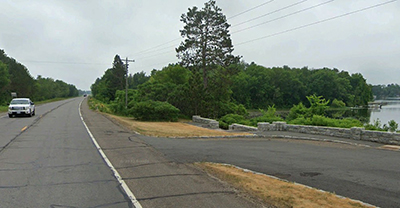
<point x="276" y="192"/>
<point x="169" y="129"/>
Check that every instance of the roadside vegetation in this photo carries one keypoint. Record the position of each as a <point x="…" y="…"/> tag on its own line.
<point x="159" y="129"/>
<point x="211" y="82"/>
<point x="15" y="78"/>
<point x="276" y="192"/>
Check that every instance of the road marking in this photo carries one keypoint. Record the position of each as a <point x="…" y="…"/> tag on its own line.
<point x="128" y="192"/>
<point x="23" y="129"/>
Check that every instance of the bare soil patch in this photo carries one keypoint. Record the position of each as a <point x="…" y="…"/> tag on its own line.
<point x="276" y="192"/>
<point x="170" y="129"/>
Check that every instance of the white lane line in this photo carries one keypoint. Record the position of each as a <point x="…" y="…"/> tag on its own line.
<point x="128" y="192"/>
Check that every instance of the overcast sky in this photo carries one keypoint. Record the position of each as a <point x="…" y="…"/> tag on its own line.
<point x="76" y="40"/>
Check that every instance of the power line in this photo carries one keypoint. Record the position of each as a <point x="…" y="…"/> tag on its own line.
<point x="159" y="54"/>
<point x="275" y="11"/>
<point x="317" y="22"/>
<point x="157" y="64"/>
<point x="152" y="48"/>
<point x="158" y="50"/>
<point x="282" y="17"/>
<point x="265" y="3"/>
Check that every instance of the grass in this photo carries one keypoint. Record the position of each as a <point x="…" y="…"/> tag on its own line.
<point x="3" y="108"/>
<point x="169" y="129"/>
<point x="277" y="192"/>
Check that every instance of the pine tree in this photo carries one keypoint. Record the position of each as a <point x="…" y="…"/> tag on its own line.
<point x="207" y="41"/>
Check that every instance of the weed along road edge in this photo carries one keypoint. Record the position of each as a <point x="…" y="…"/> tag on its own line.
<point x="155" y="180"/>
<point x="152" y="165"/>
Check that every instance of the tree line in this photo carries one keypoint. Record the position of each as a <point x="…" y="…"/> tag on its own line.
<point x="210" y="81"/>
<point x="15" y="77"/>
<point x="231" y="90"/>
<point x="382" y="92"/>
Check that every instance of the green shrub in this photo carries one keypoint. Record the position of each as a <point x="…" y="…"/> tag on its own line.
<point x="229" y="119"/>
<point x="297" y="111"/>
<point x="393" y="126"/>
<point x="318" y="120"/>
<point x="95" y="104"/>
<point x="3" y="108"/>
<point x="338" y="104"/>
<point x="154" y="111"/>
<point x="377" y="126"/>
<point x="255" y="121"/>
<point x="268" y="116"/>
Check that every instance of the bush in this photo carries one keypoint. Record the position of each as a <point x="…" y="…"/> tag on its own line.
<point x="268" y="116"/>
<point x="318" y="120"/>
<point x="338" y="104"/>
<point x="297" y="111"/>
<point x="95" y="104"/>
<point x="229" y="119"/>
<point x="393" y="126"/>
<point x="154" y="111"/>
<point x="377" y="126"/>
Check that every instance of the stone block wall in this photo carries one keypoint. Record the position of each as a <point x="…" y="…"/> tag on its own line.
<point x="240" y="127"/>
<point x="209" y="122"/>
<point x="355" y="133"/>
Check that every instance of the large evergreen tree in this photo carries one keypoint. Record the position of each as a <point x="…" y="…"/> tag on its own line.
<point x="112" y="81"/>
<point x="207" y="41"/>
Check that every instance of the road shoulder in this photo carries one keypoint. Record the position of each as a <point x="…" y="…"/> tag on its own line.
<point x="154" y="180"/>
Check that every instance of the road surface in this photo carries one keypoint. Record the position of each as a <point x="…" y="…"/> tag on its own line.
<point x="368" y="174"/>
<point x="49" y="160"/>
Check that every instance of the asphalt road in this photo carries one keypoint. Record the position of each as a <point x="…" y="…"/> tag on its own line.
<point x="368" y="174"/>
<point x="49" y="160"/>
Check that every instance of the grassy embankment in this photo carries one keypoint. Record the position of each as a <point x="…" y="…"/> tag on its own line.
<point x="266" y="189"/>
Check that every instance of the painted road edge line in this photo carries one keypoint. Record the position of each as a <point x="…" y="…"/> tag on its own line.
<point x="128" y="192"/>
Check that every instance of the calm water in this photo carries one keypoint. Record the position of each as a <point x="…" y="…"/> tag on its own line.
<point x="387" y="112"/>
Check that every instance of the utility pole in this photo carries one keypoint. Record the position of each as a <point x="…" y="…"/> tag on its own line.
<point x="126" y="81"/>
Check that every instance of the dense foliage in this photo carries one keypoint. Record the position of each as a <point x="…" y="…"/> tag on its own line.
<point x="257" y="87"/>
<point x="15" y="77"/>
<point x="154" y="111"/>
<point x="386" y="92"/>
<point x="113" y="79"/>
